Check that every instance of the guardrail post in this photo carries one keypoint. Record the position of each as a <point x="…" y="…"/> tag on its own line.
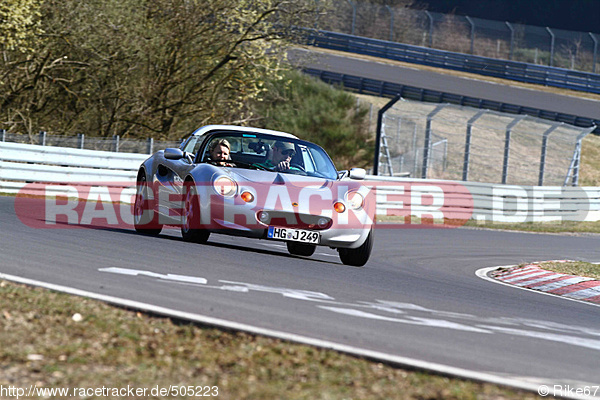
<point x="465" y="174"/>
<point x="80" y="140"/>
<point x="150" y="146"/>
<point x="116" y="143"/>
<point x="427" y="145"/>
<point x="507" y="147"/>
<point x="3" y="135"/>
<point x="551" y="46"/>
<point x="544" y="150"/>
<point x="42" y="138"/>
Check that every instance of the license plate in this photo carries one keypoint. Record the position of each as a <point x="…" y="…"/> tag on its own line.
<point x="296" y="235"/>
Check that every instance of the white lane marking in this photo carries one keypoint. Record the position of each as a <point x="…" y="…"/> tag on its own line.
<point x="483" y="274"/>
<point x="167" y="277"/>
<point x="521" y="382"/>
<point x="570" y="340"/>
<point x="438" y="323"/>
<point x="285" y="292"/>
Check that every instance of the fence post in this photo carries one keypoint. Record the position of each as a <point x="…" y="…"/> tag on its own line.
<point x="595" y="50"/>
<point x="428" y="140"/>
<point x="507" y="147"/>
<point x="575" y="162"/>
<point x="42" y="138"/>
<point x="465" y="174"/>
<point x="544" y="149"/>
<point x="353" y="16"/>
<point x="80" y="140"/>
<point x="551" y="46"/>
<point x="430" y="28"/>
<point x="379" y="129"/>
<point x="116" y="143"/>
<point x="3" y="135"/>
<point x="512" y="39"/>
<point x="391" y="23"/>
<point x="472" y="33"/>
<point x="150" y="145"/>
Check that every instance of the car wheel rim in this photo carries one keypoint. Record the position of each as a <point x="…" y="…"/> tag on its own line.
<point x="188" y="213"/>
<point x="139" y="203"/>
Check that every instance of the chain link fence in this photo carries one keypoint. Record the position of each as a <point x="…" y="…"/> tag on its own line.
<point x="482" y="37"/>
<point x="444" y="141"/>
<point x="81" y="141"/>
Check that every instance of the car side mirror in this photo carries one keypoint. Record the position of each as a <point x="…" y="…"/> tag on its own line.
<point x="173" y="154"/>
<point x="357" y="173"/>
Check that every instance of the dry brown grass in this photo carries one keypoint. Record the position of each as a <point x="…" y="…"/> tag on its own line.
<point x="111" y="347"/>
<point x="578" y="268"/>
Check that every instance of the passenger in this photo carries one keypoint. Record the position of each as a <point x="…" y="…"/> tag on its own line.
<point x="219" y="152"/>
<point x="280" y="157"/>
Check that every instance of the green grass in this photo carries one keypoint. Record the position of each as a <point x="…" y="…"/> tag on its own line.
<point x="112" y="347"/>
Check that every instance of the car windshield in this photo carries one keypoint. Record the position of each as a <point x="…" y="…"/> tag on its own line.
<point x="266" y="152"/>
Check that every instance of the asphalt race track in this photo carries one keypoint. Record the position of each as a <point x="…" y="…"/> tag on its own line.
<point x="386" y="71"/>
<point x="418" y="300"/>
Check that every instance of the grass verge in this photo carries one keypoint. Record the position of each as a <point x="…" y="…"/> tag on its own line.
<point x="575" y="227"/>
<point x="579" y="268"/>
<point x="54" y="340"/>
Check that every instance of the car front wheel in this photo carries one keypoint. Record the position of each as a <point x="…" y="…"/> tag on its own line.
<point x="144" y="216"/>
<point x="359" y="256"/>
<point x="191" y="217"/>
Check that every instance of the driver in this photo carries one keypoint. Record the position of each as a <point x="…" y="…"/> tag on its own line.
<point x="280" y="157"/>
<point x="219" y="152"/>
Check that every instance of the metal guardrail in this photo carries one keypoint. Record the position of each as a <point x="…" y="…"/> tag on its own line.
<point x="34" y="163"/>
<point x="485" y="202"/>
<point x="517" y="71"/>
<point x="389" y="89"/>
<point x="20" y="164"/>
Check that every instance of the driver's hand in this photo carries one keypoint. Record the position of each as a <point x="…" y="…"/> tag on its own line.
<point x="283" y="166"/>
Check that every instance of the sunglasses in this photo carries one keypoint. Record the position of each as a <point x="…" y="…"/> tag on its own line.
<point x="290" y="153"/>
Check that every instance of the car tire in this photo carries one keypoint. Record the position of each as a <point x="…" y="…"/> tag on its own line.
<point x="301" y="249"/>
<point x="359" y="256"/>
<point x="191" y="217"/>
<point x="145" y="218"/>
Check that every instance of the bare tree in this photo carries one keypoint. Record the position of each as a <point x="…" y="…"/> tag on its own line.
<point x="153" y="67"/>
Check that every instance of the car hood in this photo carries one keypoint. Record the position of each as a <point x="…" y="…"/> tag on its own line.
<point x="277" y="178"/>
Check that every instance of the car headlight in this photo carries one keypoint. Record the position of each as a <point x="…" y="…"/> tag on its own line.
<point x="355" y="200"/>
<point x="225" y="186"/>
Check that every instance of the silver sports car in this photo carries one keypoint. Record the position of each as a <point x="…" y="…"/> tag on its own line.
<point x="256" y="183"/>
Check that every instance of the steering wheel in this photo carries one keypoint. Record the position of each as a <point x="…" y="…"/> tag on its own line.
<point x="298" y="166"/>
